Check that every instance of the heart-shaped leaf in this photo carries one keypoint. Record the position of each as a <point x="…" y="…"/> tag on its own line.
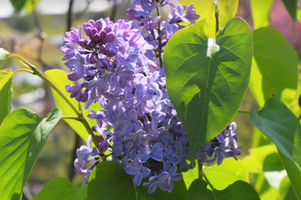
<point x="22" y="135"/>
<point x="283" y="128"/>
<point x="227" y="173"/>
<point x="236" y="191"/>
<point x="62" y="189"/>
<point x="207" y="78"/>
<point x="110" y="181"/>
<point x="274" y="67"/>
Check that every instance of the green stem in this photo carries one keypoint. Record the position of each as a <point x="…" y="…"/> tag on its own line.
<point x="212" y="188"/>
<point x="71" y="117"/>
<point x="216" y="19"/>
<point x="54" y="87"/>
<point x="200" y="171"/>
<point x="23" y="70"/>
<point x="243" y="112"/>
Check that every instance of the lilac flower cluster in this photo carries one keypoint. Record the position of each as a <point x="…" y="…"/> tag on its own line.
<point x="120" y="68"/>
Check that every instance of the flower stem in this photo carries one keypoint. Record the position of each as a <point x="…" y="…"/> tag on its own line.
<point x="212" y="188"/>
<point x="200" y="171"/>
<point x="79" y="113"/>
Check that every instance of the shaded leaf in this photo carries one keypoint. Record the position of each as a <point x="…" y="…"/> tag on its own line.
<point x="291" y="7"/>
<point x="261" y="12"/>
<point x="274" y="67"/>
<point x="283" y="128"/>
<point x="62" y="189"/>
<point x="18" y="4"/>
<point x="22" y="135"/>
<point x="236" y="191"/>
<point x="207" y="78"/>
<point x="6" y="91"/>
<point x="227" y="173"/>
<point x="110" y="181"/>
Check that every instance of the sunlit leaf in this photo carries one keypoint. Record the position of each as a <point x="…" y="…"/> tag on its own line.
<point x="6" y="90"/>
<point x="59" y="78"/>
<point x="190" y="176"/>
<point x="62" y="189"/>
<point x="110" y="181"/>
<point x="286" y="190"/>
<point x="22" y="135"/>
<point x="254" y="162"/>
<point x="261" y="12"/>
<point x="207" y="78"/>
<point x="274" y="67"/>
<point x="283" y="128"/>
<point x="226" y="11"/>
<point x="206" y="9"/>
<point x="30" y="5"/>
<point x="236" y="191"/>
<point x="227" y="173"/>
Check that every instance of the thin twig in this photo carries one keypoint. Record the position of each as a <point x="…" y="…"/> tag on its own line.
<point x="69" y="16"/>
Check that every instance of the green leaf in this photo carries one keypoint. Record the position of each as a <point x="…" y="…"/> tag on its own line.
<point x="226" y="11"/>
<point x="299" y="14"/>
<point x="283" y="128"/>
<point x="110" y="181"/>
<point x="261" y="12"/>
<point x="3" y="56"/>
<point x="30" y="5"/>
<point x="286" y="190"/>
<point x="274" y="67"/>
<point x="6" y="91"/>
<point x="62" y="189"/>
<point x="227" y="173"/>
<point x="22" y="135"/>
<point x="236" y="191"/>
<point x="18" y="4"/>
<point x="291" y="7"/>
<point x="60" y="79"/>
<point x="207" y="83"/>
<point x="190" y="175"/>
<point x="255" y="161"/>
<point x="206" y="9"/>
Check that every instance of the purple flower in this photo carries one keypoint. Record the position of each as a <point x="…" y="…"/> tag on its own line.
<point x="160" y="181"/>
<point x="136" y="168"/>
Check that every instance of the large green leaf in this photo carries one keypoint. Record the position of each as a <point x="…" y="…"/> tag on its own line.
<point x="291" y="7"/>
<point x="110" y="181"/>
<point x="3" y="56"/>
<point x="18" y="4"/>
<point x="227" y="173"/>
<point x="236" y="191"/>
<point x="226" y="11"/>
<point x="60" y="79"/>
<point x="190" y="175"/>
<point x="261" y="12"/>
<point x="283" y="128"/>
<point x="62" y="189"/>
<point x="274" y="67"/>
<point x="22" y="135"/>
<point x="208" y="78"/>
<point x="6" y="91"/>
